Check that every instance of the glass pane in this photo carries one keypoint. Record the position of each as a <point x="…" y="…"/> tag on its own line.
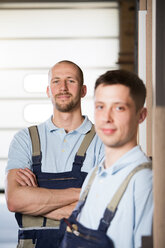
<point x="33" y="83"/>
<point x="5" y="139"/>
<point x="36" y="82"/>
<point x="73" y="23"/>
<point x="90" y="76"/>
<point x="14" y="110"/>
<point x="27" y="53"/>
<point x="37" y="112"/>
<point x="2" y="173"/>
<point x="88" y="108"/>
<point x="12" y="84"/>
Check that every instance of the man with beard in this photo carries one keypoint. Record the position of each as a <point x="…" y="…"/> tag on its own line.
<point x="45" y="173"/>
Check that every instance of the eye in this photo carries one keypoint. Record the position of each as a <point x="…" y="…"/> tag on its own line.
<point x="99" y="107"/>
<point x="120" y="108"/>
<point x="71" y="81"/>
<point x="55" y="81"/>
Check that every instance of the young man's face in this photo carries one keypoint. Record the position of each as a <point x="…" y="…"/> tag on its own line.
<point x="116" y="118"/>
<point x="65" y="89"/>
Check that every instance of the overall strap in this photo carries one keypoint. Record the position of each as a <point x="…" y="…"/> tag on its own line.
<point x="83" y="197"/>
<point x="38" y="221"/>
<point x="117" y="197"/>
<point x="88" y="186"/>
<point x="81" y="153"/>
<point x="36" y="147"/>
<point x="86" y="142"/>
<point x="33" y="130"/>
<point x="112" y="206"/>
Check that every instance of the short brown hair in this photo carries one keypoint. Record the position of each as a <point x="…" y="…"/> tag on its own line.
<point x="128" y="79"/>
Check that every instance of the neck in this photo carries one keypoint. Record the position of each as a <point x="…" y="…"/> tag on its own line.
<point x="112" y="154"/>
<point x="69" y="121"/>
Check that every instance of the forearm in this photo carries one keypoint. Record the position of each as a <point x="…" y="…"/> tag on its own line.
<point x="40" y="201"/>
<point x="60" y="213"/>
<point x="35" y="200"/>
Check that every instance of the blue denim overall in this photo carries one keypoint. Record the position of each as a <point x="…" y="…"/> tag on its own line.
<point x="78" y="236"/>
<point x="38" y="231"/>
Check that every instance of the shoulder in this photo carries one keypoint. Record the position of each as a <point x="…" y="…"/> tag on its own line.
<point x="19" y="154"/>
<point x="22" y="136"/>
<point x="21" y="142"/>
<point x="142" y="183"/>
<point x="22" y="139"/>
<point x="143" y="177"/>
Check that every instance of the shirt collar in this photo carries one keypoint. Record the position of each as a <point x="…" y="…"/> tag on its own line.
<point x="131" y="157"/>
<point x="82" y="129"/>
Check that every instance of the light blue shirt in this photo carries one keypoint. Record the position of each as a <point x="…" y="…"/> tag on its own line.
<point x="133" y="218"/>
<point x="58" y="148"/>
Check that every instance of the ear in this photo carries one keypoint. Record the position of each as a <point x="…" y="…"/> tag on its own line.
<point x="48" y="91"/>
<point x="142" y="115"/>
<point x="83" y="90"/>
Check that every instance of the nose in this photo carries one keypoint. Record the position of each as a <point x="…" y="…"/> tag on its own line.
<point x="63" y="86"/>
<point x="108" y="116"/>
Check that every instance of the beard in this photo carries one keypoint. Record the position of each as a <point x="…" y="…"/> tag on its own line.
<point x="66" y="107"/>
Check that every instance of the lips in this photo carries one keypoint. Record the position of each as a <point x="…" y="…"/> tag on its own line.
<point x="108" y="131"/>
<point x="63" y="96"/>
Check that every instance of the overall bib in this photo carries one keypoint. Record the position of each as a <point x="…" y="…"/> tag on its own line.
<point x="78" y="236"/>
<point x="38" y="231"/>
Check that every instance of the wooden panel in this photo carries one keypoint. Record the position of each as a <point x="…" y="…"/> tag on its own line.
<point x="149" y="75"/>
<point x="143" y="5"/>
<point x="159" y="177"/>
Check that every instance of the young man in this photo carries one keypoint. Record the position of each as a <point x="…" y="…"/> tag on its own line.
<point x="37" y="185"/>
<point x="119" y="109"/>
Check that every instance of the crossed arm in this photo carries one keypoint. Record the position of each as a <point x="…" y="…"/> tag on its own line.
<point x="23" y="195"/>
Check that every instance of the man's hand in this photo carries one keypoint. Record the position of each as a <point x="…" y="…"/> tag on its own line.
<point x="63" y="212"/>
<point x="25" y="177"/>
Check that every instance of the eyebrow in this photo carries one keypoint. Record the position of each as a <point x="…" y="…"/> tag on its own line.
<point x="70" y="77"/>
<point x="114" y="103"/>
<point x="56" y="77"/>
<point x="99" y="102"/>
<point x="124" y="103"/>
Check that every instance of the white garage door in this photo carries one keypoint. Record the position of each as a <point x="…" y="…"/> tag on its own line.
<point x="33" y="37"/>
